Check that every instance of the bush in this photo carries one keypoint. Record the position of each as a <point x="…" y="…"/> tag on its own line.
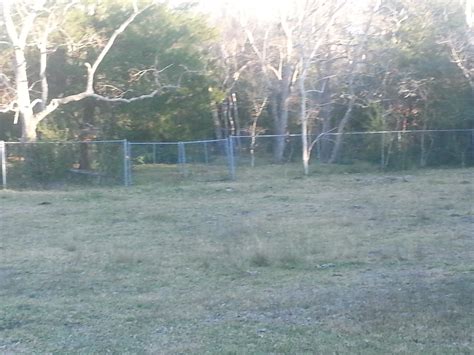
<point x="46" y="163"/>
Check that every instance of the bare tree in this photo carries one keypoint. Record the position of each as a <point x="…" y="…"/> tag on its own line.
<point x="358" y="50"/>
<point x="461" y="45"/>
<point x="275" y="54"/>
<point x="26" y="19"/>
<point x="316" y="19"/>
<point x="231" y="58"/>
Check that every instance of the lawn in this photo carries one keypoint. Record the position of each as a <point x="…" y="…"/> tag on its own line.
<point x="271" y="263"/>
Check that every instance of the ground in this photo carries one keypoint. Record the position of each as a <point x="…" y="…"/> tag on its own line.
<point x="271" y="263"/>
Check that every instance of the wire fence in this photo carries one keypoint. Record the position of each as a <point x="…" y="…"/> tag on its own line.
<point x="404" y="150"/>
<point x="59" y="164"/>
<point x="385" y="150"/>
<point x="53" y="164"/>
<point x="221" y="159"/>
<point x="204" y="160"/>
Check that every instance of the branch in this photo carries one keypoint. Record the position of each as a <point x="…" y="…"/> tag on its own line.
<point x="126" y="101"/>
<point x="239" y="71"/>
<point x="261" y="56"/>
<point x="252" y="43"/>
<point x="289" y="37"/>
<point x="92" y="69"/>
<point x="275" y="71"/>
<point x="28" y="24"/>
<point x="459" y="61"/>
<point x="19" y="40"/>
<point x="9" y="24"/>
<point x="259" y="109"/>
<point x="4" y="80"/>
<point x="321" y="135"/>
<point x="8" y="108"/>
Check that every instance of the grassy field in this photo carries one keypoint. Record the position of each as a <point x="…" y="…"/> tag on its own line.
<point x="271" y="263"/>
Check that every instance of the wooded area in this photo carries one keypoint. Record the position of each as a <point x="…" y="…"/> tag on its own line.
<point x="85" y="70"/>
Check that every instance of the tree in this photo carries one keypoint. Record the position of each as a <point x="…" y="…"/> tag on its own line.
<point x="460" y="41"/>
<point x="355" y="56"/>
<point x="175" y="40"/>
<point x="26" y="21"/>
<point x="316" y="19"/>
<point x="272" y="45"/>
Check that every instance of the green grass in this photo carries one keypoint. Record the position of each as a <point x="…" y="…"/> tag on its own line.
<point x="271" y="263"/>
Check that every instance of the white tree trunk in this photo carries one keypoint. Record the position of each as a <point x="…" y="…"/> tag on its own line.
<point x="27" y="118"/>
<point x="306" y="153"/>
<point x="470" y="13"/>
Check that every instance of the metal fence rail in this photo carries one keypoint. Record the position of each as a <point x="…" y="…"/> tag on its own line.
<point x="50" y="164"/>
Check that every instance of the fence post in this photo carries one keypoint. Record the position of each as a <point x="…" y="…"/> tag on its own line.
<point x="129" y="167"/>
<point x="3" y="159"/>
<point x="154" y="153"/>
<point x="230" y="157"/>
<point x="382" y="152"/>
<point x="318" y="147"/>
<point x="206" y="153"/>
<point x="182" y="157"/>
<point x="126" y="162"/>
<point x="472" y="143"/>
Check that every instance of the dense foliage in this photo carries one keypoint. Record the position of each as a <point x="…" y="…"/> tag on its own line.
<point x="393" y="65"/>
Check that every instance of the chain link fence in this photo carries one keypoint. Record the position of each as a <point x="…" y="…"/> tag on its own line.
<point x="404" y="150"/>
<point x="44" y="165"/>
<point x="259" y="150"/>
<point x="210" y="160"/>
<point x="56" y="164"/>
<point x="206" y="160"/>
<point x="389" y="150"/>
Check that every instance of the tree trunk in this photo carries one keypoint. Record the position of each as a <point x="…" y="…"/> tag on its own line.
<point x="469" y="12"/>
<point x="224" y="114"/>
<point x="306" y="150"/>
<point x="253" y="130"/>
<point x="279" y="142"/>
<point x="340" y="130"/>
<point x="43" y="65"/>
<point x="28" y="128"/>
<point x="352" y="73"/>
<point x="325" y="146"/>
<point x="28" y="121"/>
<point x="85" y="135"/>
<point x="236" y="119"/>
<point x="325" y="115"/>
<point x="253" y="141"/>
<point x="280" y="116"/>
<point x="216" y="121"/>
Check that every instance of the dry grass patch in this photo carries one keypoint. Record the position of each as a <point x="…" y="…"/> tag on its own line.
<point x="271" y="263"/>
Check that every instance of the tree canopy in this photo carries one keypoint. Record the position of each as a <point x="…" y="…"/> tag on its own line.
<point x="147" y="71"/>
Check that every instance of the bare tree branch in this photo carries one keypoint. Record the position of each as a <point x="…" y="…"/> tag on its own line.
<point x="10" y="25"/>
<point x="319" y="137"/>
<point x="91" y="70"/>
<point x="8" y="108"/>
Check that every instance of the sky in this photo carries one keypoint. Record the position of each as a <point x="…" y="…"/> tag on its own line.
<point x="261" y="9"/>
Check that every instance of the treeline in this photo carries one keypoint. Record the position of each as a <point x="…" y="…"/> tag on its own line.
<point x="174" y="74"/>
